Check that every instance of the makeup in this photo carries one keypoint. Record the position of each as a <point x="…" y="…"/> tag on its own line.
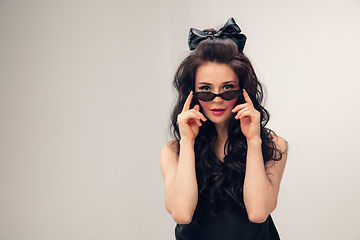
<point x="217" y="111"/>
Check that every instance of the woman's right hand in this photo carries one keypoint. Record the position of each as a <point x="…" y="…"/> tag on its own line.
<point x="189" y="120"/>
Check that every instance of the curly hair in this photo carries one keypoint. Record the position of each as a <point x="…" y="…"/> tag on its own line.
<point x="219" y="181"/>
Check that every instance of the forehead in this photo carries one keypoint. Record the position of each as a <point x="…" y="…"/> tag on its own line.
<point x="215" y="74"/>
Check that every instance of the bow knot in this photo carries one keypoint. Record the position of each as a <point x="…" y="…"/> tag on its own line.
<point x="230" y="30"/>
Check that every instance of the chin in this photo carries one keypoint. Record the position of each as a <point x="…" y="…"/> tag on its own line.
<point x="218" y="121"/>
<point x="224" y="118"/>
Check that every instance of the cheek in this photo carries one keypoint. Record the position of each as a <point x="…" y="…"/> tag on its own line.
<point x="228" y="104"/>
<point x="231" y="104"/>
<point x="204" y="104"/>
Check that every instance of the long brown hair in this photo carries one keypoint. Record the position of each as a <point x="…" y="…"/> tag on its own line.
<point x="218" y="181"/>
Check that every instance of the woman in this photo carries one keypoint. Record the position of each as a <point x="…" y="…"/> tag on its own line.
<point x="222" y="172"/>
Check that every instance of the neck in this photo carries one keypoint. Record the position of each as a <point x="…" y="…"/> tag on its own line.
<point x="222" y="130"/>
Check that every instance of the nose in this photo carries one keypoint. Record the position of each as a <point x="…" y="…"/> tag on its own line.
<point x="217" y="99"/>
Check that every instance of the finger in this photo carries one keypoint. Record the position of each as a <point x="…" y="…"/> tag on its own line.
<point x="244" y="110"/>
<point x="244" y="114"/>
<point x="187" y="116"/>
<point x="196" y="120"/>
<point x="197" y="107"/>
<point x="188" y="102"/>
<point x="199" y="123"/>
<point x="247" y="97"/>
<point x="241" y="112"/>
<point x="239" y="107"/>
<point x="201" y="116"/>
<point x="197" y="111"/>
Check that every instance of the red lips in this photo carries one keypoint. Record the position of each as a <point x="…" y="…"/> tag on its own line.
<point x="217" y="111"/>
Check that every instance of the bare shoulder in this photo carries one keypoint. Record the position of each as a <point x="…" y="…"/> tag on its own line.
<point x="280" y="154"/>
<point x="280" y="143"/>
<point x="169" y="159"/>
<point x="170" y="149"/>
<point x="275" y="169"/>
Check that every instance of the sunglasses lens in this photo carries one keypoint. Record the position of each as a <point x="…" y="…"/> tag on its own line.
<point x="205" y="96"/>
<point x="209" y="96"/>
<point x="230" y="95"/>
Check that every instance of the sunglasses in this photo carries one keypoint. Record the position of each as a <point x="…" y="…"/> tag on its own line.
<point x="209" y="96"/>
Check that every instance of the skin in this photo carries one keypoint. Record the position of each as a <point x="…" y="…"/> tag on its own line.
<point x="262" y="182"/>
<point x="217" y="78"/>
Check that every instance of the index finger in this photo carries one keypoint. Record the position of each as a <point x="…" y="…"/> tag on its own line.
<point x="188" y="102"/>
<point x="247" y="97"/>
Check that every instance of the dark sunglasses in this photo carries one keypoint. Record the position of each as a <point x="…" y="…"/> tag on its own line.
<point x="209" y="96"/>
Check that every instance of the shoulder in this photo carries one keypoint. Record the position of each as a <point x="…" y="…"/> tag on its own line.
<point x="275" y="168"/>
<point x="278" y="147"/>
<point x="169" y="152"/>
<point x="170" y="148"/>
<point x="169" y="159"/>
<point x="280" y="143"/>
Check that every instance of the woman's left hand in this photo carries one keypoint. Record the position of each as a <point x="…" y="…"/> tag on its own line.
<point x="249" y="118"/>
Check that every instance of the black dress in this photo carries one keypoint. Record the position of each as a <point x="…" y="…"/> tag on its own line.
<point x="230" y="225"/>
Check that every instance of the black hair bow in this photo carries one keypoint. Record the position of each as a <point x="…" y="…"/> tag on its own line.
<point x="230" y="30"/>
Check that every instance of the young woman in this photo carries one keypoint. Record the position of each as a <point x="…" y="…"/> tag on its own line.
<point x="222" y="172"/>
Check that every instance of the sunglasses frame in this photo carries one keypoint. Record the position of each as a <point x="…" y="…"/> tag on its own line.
<point x="218" y="95"/>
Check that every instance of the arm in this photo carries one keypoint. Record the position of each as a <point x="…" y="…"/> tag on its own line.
<point x="262" y="183"/>
<point x="181" y="192"/>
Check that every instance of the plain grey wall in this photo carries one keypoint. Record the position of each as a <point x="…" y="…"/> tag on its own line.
<point x="85" y="96"/>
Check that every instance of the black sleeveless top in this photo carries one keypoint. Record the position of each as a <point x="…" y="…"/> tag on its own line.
<point x="230" y="225"/>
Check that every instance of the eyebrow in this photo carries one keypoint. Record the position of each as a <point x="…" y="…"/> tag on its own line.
<point x="209" y="84"/>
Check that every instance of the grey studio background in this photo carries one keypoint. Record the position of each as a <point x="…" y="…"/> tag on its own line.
<point x="85" y="97"/>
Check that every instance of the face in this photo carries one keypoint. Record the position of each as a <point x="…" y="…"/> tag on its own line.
<point x="216" y="78"/>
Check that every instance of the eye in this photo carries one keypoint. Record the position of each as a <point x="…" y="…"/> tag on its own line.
<point x="228" y="87"/>
<point x="205" y="88"/>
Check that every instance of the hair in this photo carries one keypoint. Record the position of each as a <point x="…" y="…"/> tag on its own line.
<point x="221" y="182"/>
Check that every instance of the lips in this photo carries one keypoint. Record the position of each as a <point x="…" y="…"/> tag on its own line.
<point x="217" y="111"/>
